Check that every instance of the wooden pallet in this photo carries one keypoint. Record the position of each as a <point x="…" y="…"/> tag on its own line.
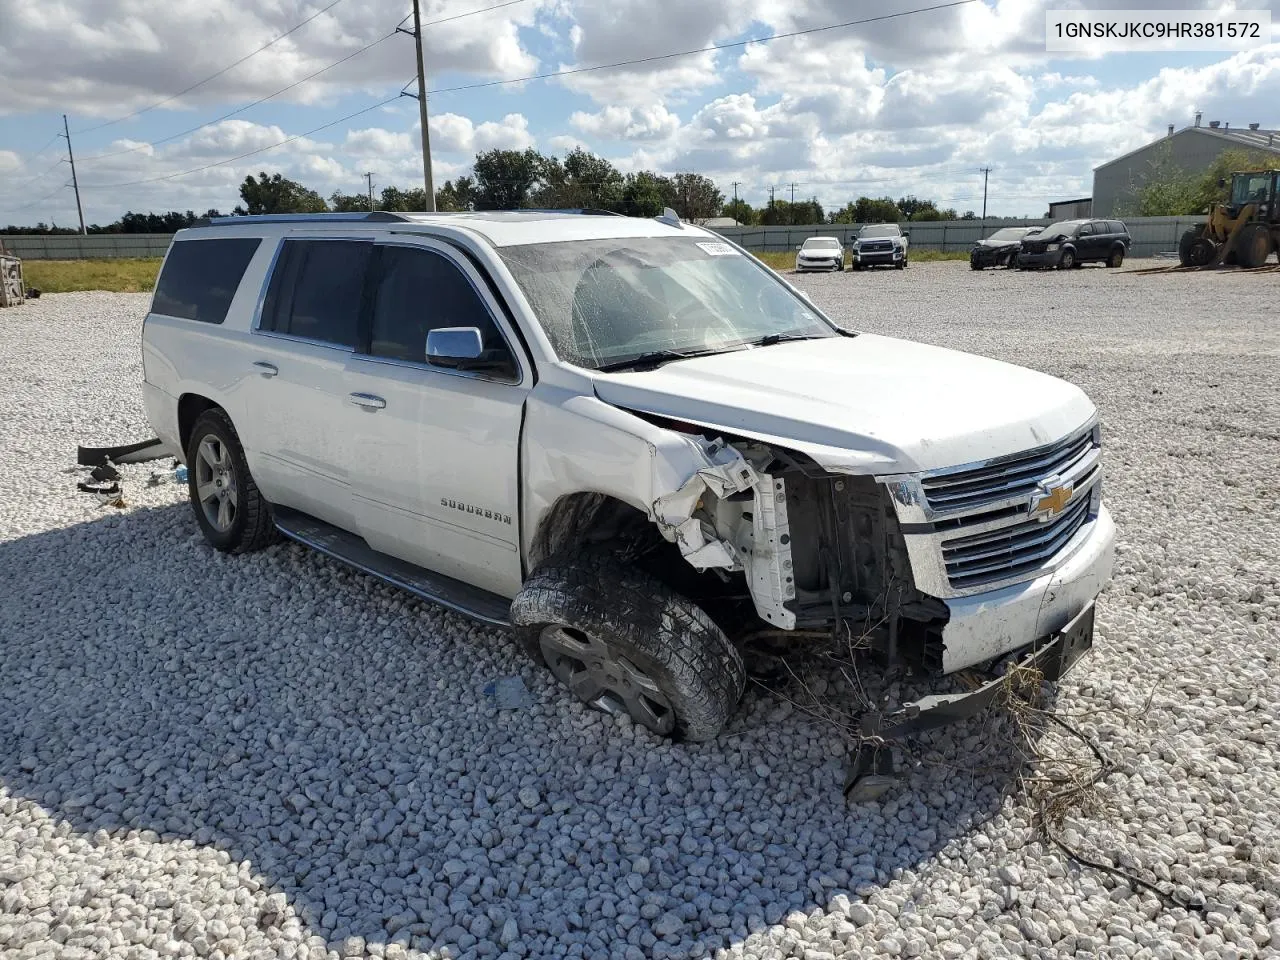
<point x="12" y="289"/>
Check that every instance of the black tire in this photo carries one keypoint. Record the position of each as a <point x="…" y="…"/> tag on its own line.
<point x="593" y="599"/>
<point x="1067" y="260"/>
<point x="1012" y="262"/>
<point x="1116" y="258"/>
<point x="250" y="525"/>
<point x="1201" y="252"/>
<point x="973" y="262"/>
<point x="1253" y="246"/>
<point x="1189" y="237"/>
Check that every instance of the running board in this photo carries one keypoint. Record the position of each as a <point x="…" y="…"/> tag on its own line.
<point x="340" y="545"/>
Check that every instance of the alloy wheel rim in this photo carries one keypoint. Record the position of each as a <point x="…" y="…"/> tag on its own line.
<point x="602" y="678"/>
<point x="215" y="479"/>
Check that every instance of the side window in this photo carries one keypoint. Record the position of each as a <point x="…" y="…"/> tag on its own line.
<point x="416" y="291"/>
<point x="316" y="290"/>
<point x="200" y="278"/>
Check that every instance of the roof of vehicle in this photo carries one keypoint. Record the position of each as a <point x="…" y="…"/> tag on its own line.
<point x="807" y="239"/>
<point x="501" y="228"/>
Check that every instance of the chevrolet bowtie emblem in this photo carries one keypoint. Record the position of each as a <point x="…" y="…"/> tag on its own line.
<point x="1050" y="501"/>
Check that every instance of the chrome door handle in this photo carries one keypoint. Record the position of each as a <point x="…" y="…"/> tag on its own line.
<point x="266" y="369"/>
<point x="367" y="400"/>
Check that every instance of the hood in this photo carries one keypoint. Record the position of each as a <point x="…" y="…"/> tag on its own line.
<point x="997" y="244"/>
<point x="865" y="404"/>
<point x="819" y="252"/>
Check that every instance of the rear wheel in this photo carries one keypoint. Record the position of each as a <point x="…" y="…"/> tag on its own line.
<point x="231" y="511"/>
<point x="1254" y="245"/>
<point x="1067" y="260"/>
<point x="623" y="642"/>
<point x="1116" y="258"/>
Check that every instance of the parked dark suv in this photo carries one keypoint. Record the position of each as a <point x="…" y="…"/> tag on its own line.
<point x="1070" y="243"/>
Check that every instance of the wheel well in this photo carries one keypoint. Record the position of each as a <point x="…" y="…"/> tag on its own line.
<point x="582" y="520"/>
<point x="190" y="406"/>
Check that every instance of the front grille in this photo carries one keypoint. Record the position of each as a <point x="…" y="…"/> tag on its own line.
<point x="1008" y="479"/>
<point x="1012" y="551"/>
<point x="876" y="246"/>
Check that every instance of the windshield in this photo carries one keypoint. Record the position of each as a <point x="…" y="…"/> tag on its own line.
<point x="1008" y="233"/>
<point x="822" y="243"/>
<point x="604" y="302"/>
<point x="1063" y="228"/>
<point x="880" y="230"/>
<point x="1250" y="188"/>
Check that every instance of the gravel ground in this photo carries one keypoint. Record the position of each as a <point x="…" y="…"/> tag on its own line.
<point x="272" y="756"/>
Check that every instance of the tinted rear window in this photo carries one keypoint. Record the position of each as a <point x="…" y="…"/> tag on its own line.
<point x="200" y="278"/>
<point x="316" y="290"/>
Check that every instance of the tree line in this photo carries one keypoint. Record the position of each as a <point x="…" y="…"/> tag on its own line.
<point x="528" y="179"/>
<point x="1167" y="190"/>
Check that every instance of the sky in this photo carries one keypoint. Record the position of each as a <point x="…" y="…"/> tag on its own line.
<point x="163" y="96"/>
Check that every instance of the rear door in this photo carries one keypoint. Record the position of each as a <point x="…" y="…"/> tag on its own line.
<point x="297" y="399"/>
<point x="435" y="451"/>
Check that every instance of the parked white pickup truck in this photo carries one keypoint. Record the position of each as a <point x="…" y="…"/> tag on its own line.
<point x="629" y="440"/>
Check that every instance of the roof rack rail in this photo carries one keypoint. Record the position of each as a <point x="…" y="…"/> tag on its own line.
<point x="375" y="216"/>
<point x="585" y="211"/>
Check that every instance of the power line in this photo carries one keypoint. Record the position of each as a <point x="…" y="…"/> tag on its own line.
<point x="543" y="76"/>
<point x="286" y="89"/>
<point x="708" y="49"/>
<point x="55" y="192"/>
<point x="251" y="153"/>
<point x="212" y="76"/>
<point x="247" y="106"/>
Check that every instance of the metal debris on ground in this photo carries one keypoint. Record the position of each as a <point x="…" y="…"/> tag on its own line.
<point x="509" y="693"/>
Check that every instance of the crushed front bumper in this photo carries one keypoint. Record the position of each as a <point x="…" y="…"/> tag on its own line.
<point x="870" y="769"/>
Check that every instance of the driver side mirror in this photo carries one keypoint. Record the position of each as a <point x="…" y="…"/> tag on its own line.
<point x="452" y="346"/>
<point x="462" y="348"/>
<point x="907" y="234"/>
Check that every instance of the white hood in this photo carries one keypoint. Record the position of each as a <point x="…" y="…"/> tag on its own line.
<point x="864" y="404"/>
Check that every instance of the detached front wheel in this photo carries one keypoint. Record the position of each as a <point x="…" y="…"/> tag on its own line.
<point x="623" y="642"/>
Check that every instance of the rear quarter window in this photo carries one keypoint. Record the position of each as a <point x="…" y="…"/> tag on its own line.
<point x="200" y="278"/>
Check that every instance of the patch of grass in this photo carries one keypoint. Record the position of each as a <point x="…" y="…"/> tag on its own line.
<point x="121" y="275"/>
<point x="786" y="260"/>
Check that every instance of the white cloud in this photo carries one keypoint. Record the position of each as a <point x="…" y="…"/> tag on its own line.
<point x="451" y="133"/>
<point x="10" y="162"/>
<point x="653" y="122"/>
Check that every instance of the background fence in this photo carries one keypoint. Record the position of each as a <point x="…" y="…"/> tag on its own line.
<point x="1151" y="236"/>
<point x="96" y="246"/>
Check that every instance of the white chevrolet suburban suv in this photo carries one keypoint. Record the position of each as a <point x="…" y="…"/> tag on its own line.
<point x="631" y="442"/>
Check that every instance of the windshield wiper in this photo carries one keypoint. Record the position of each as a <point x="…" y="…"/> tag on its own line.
<point x="655" y="358"/>
<point x="770" y="339"/>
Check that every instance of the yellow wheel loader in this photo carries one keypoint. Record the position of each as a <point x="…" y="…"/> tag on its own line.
<point x="1245" y="230"/>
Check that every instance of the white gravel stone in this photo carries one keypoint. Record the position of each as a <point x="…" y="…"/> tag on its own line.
<point x="271" y="755"/>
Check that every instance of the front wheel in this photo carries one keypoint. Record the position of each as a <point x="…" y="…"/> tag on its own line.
<point x="623" y="642"/>
<point x="231" y="511"/>
<point x="1067" y="260"/>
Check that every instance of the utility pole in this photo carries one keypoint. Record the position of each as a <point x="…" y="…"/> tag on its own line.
<point x="369" y="178"/>
<point x="735" y="199"/>
<point x="428" y="183"/>
<point x="985" y="172"/>
<point x="771" y="202"/>
<point x="792" y="212"/>
<point x="75" y="184"/>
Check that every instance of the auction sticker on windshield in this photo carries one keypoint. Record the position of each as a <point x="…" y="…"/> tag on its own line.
<point x="719" y="249"/>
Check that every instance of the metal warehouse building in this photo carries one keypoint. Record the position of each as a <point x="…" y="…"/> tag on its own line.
<point x="1192" y="149"/>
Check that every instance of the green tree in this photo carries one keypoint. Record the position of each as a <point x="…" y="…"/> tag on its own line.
<point x="697" y="198"/>
<point x="647" y="194"/>
<point x="456" y="195"/>
<point x="506" y="178"/>
<point x="277" y="194"/>
<point x="883" y="210"/>
<point x="582" y="181"/>
<point x="340" y="202"/>
<point x="741" y="211"/>
<point x="413" y="200"/>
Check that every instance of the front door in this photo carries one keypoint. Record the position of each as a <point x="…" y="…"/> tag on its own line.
<point x="434" y="459"/>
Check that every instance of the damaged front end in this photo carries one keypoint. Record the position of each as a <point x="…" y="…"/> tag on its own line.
<point x="825" y="554"/>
